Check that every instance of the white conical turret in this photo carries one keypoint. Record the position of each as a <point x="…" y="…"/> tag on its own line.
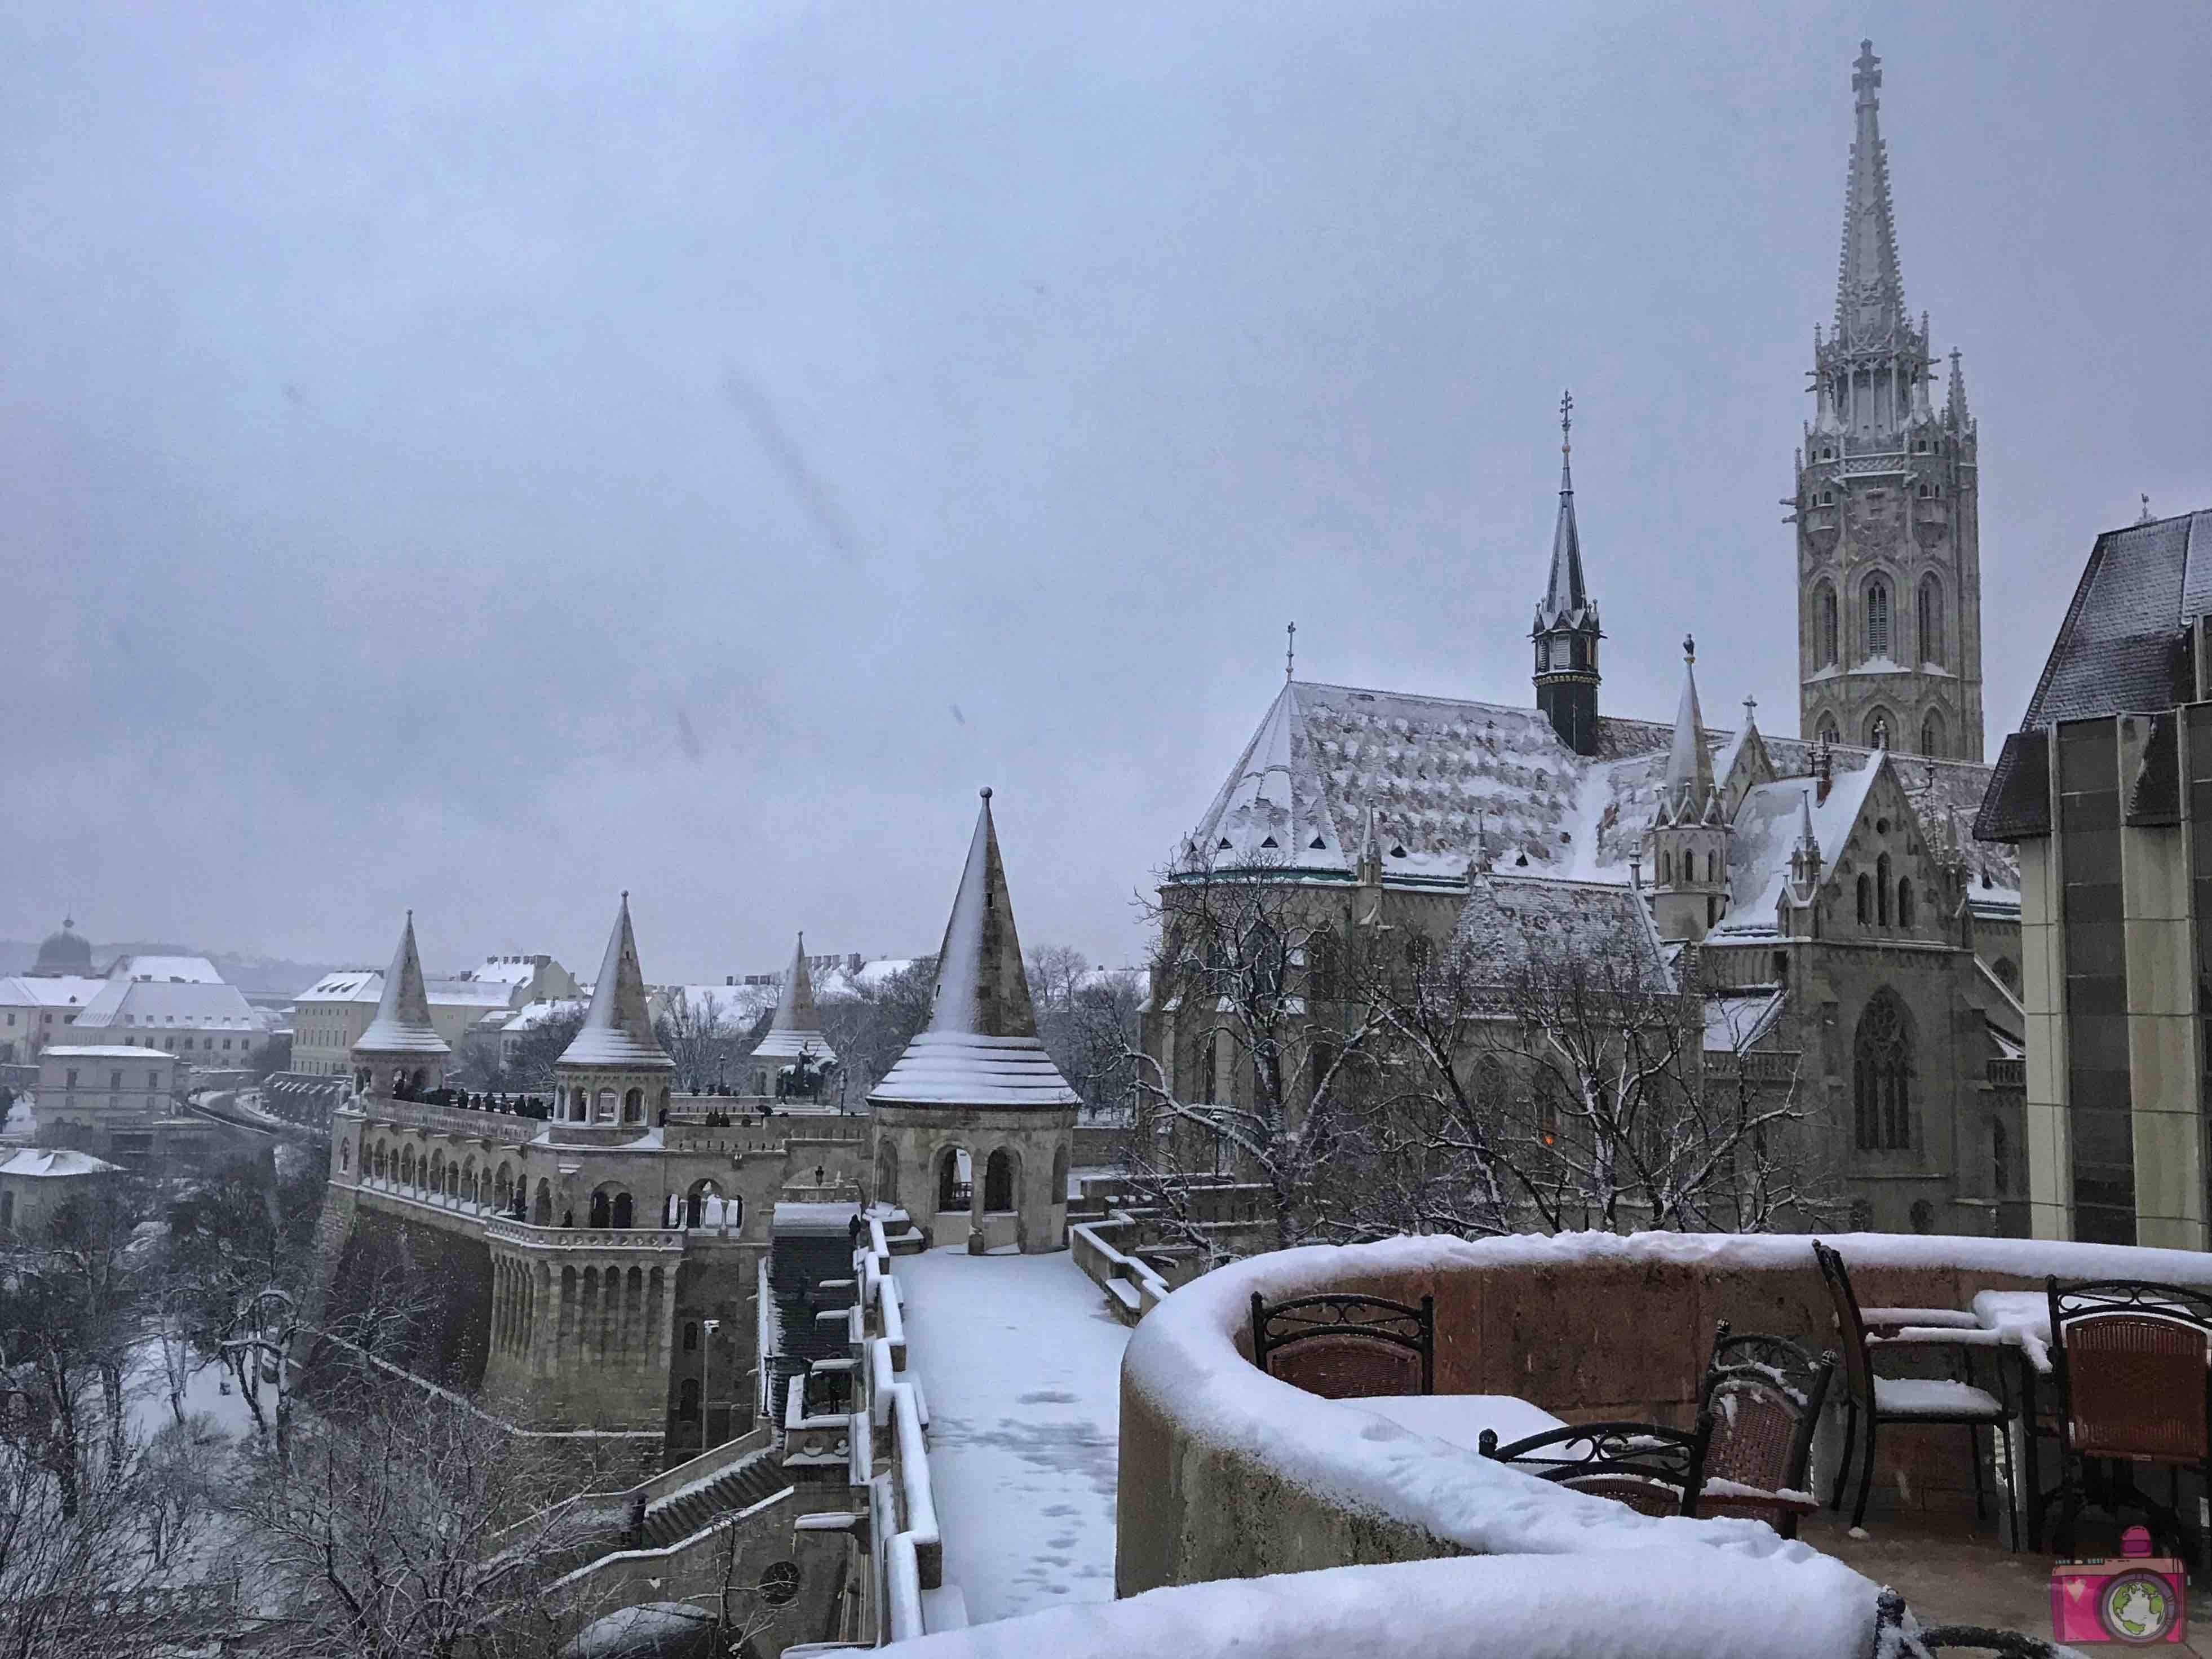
<point x="402" y="1026"/>
<point x="797" y="1028"/>
<point x="618" y="1029"/>
<point x="980" y="1046"/>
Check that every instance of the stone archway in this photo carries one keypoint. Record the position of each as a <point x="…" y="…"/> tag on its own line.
<point x="1000" y="1177"/>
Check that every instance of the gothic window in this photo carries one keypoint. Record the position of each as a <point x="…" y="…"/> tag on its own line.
<point x="2000" y="1158"/>
<point x="1931" y="735"/>
<point x="1881" y="889"/>
<point x="1321" y="965"/>
<point x="1877" y="730"/>
<point x="1712" y="866"/>
<point x="1866" y="900"/>
<point x="1881" y="1077"/>
<point x="1877" y="618"/>
<point x="1931" y="620"/>
<point x="1905" y="903"/>
<point x="1218" y="1061"/>
<point x="1825" y="606"/>
<point x="1666" y="871"/>
<point x="1828" y="733"/>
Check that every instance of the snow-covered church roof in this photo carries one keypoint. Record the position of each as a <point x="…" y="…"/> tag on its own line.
<point x="1513" y="922"/>
<point x="401" y="1026"/>
<point x="797" y="1028"/>
<point x="980" y="1047"/>
<point x="1432" y="768"/>
<point x="618" y="1029"/>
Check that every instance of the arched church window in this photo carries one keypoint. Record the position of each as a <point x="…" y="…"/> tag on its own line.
<point x="1877" y="730"/>
<point x="1881" y="1077"/>
<point x="1877" y="618"/>
<point x="1904" y="903"/>
<point x="1881" y="889"/>
<point x="1712" y="866"/>
<point x="1931" y="620"/>
<point x="1666" y="871"/>
<point x="1827" y="605"/>
<point x="1931" y="735"/>
<point x="1866" y="900"/>
<point x="1828" y="733"/>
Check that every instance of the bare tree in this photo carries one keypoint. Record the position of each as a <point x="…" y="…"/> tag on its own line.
<point x="1569" y="1088"/>
<point x="527" y="1063"/>
<point x="699" y="1039"/>
<point x="870" y="1026"/>
<point x="1252" y="975"/>
<point x="406" y="1525"/>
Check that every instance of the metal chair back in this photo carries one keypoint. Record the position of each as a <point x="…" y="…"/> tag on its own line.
<point x="1765" y="1395"/>
<point x="2133" y="1363"/>
<point x="1652" y="1468"/>
<point x="1851" y="1328"/>
<point x="1347" y="1347"/>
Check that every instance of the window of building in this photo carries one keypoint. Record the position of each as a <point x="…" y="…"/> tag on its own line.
<point x="1827" y="731"/>
<point x="1826" y="609"/>
<point x="1931" y="620"/>
<point x="1881" y="1077"/>
<point x="1931" y="735"/>
<point x="1866" y="900"/>
<point x="1877" y="618"/>
<point x="2000" y="1158"/>
<point x="1881" y="890"/>
<point x="1904" y="903"/>
<point x="691" y="1337"/>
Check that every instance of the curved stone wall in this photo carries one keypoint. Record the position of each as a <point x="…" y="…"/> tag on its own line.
<point x="1226" y="1473"/>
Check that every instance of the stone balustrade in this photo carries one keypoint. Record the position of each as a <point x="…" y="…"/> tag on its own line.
<point x="506" y="1230"/>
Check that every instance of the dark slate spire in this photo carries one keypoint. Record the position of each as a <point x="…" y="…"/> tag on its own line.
<point x="1566" y="632"/>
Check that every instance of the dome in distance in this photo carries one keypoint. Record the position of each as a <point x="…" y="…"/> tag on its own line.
<point x="65" y="952"/>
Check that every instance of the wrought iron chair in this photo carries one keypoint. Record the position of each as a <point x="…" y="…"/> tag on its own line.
<point x="1653" y="1469"/>
<point x="2133" y="1362"/>
<point x="1890" y="1638"/>
<point x="1872" y="1400"/>
<point x="1347" y="1347"/>
<point x="1765" y="1395"/>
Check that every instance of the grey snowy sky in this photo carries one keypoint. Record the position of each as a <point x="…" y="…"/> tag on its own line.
<point x="483" y="457"/>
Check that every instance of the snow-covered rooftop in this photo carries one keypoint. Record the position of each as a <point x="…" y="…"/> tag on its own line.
<point x="1432" y="767"/>
<point x="195" y="970"/>
<point x="56" y="1161"/>
<point x="1512" y="923"/>
<point x="59" y="990"/>
<point x="103" y="1051"/>
<point x="168" y="1004"/>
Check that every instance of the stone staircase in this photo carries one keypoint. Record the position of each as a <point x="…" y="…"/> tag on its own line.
<point x="738" y="1487"/>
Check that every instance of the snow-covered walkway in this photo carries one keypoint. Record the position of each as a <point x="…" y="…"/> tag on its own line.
<point x="1022" y="1366"/>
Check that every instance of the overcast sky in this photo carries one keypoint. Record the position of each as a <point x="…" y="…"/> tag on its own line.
<point x="483" y="459"/>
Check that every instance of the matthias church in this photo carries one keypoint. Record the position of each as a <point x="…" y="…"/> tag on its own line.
<point x="1822" y="891"/>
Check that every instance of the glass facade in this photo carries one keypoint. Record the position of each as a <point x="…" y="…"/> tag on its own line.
<point x="2099" y="1096"/>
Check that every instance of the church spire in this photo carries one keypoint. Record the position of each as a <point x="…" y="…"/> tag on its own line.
<point x="1955" y="415"/>
<point x="1567" y="632"/>
<point x="1689" y="767"/>
<point x="1870" y="289"/>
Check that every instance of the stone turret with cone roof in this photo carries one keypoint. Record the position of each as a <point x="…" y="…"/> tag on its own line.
<point x="1566" y="632"/>
<point x="401" y="1051"/>
<point x="795" y="1033"/>
<point x="975" y="1125"/>
<point x="1686" y="847"/>
<point x="614" y="1071"/>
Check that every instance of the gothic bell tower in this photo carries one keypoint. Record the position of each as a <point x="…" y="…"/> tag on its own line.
<point x="1889" y="575"/>
<point x="1566" y="632"/>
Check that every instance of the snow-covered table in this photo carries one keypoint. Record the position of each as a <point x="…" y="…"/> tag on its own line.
<point x="2021" y="1319"/>
<point x="1461" y="1418"/>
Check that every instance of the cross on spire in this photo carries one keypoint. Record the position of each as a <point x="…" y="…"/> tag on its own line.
<point x="1290" y="650"/>
<point x="1866" y="73"/>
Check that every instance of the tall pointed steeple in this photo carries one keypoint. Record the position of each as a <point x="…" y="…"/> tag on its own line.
<point x="1955" y="413"/>
<point x="1869" y="287"/>
<point x="618" y="1029"/>
<point x="1566" y="631"/>
<point x="401" y="1026"/>
<point x="1887" y="500"/>
<point x="980" y="1047"/>
<point x="1689" y="766"/>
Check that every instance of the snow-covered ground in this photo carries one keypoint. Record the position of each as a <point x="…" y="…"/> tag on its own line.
<point x="1021" y="1364"/>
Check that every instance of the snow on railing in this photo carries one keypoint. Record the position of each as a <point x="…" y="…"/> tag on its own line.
<point x="1104" y="1265"/>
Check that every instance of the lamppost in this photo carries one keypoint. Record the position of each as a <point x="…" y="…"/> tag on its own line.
<point x="708" y="1327"/>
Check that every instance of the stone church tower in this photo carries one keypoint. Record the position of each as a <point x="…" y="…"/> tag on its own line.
<point x="1889" y="572"/>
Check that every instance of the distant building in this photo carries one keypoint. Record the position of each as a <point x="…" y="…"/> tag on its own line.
<point x="181" y="970"/>
<point x="37" y="1009"/>
<point x="204" y="1023"/>
<point x="331" y="1013"/>
<point x="64" y="954"/>
<point x="36" y="1181"/>
<point x="2106" y="792"/>
<point x="119" y="1102"/>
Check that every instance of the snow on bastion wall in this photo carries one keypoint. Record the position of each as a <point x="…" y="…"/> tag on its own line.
<point x="1259" y="1519"/>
